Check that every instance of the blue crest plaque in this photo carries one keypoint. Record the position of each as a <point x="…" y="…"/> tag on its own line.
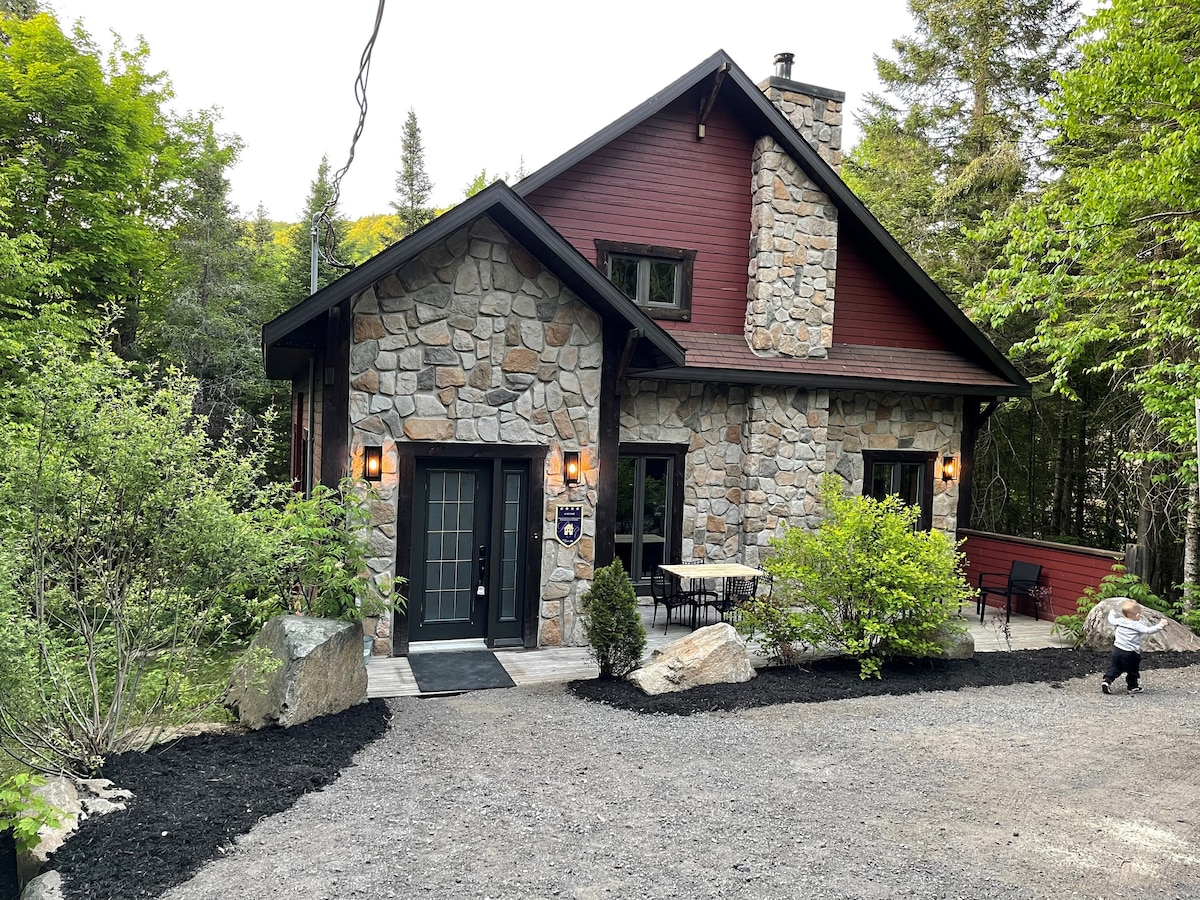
<point x="568" y="524"/>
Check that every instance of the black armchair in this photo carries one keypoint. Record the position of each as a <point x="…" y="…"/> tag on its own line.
<point x="665" y="590"/>
<point x="1021" y="579"/>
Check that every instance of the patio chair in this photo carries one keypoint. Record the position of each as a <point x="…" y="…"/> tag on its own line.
<point x="1022" y="578"/>
<point x="737" y="593"/>
<point x="700" y="596"/>
<point x="665" y="590"/>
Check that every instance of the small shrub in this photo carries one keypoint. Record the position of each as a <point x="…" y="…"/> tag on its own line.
<point x="867" y="583"/>
<point x="611" y="622"/>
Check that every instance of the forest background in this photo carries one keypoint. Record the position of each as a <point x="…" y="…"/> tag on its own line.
<point x="1041" y="168"/>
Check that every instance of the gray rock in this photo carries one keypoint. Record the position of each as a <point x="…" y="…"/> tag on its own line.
<point x="956" y="644"/>
<point x="319" y="672"/>
<point x="47" y="886"/>
<point x="1098" y="634"/>
<point x="715" y="654"/>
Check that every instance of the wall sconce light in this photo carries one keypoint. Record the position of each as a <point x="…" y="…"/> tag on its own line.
<point x="372" y="463"/>
<point x="949" y="468"/>
<point x="571" y="468"/>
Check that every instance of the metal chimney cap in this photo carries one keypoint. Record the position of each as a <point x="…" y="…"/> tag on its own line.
<point x="783" y="64"/>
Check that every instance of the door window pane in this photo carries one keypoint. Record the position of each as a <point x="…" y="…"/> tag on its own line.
<point x="643" y="514"/>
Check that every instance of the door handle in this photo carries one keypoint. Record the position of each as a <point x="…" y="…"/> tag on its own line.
<point x="480" y="589"/>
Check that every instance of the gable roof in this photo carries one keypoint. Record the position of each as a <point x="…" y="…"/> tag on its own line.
<point x="504" y="207"/>
<point x="762" y="116"/>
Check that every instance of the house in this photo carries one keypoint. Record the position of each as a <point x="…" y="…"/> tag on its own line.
<point x="652" y="348"/>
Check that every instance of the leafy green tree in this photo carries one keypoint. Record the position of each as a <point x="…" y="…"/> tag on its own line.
<point x="867" y="583"/>
<point x="413" y="187"/>
<point x="1102" y="264"/>
<point x="368" y="236"/>
<point x="92" y="168"/>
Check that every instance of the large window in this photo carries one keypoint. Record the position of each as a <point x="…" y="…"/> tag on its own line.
<point x="905" y="473"/>
<point x="656" y="278"/>
<point x="647" y="527"/>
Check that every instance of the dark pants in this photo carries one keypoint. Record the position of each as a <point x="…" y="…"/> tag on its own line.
<point x="1127" y="661"/>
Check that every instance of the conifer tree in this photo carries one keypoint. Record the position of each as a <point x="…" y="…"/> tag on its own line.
<point x="413" y="187"/>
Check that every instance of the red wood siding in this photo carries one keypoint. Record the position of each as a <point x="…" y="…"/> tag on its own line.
<point x="1066" y="570"/>
<point x="869" y="310"/>
<point x="657" y="184"/>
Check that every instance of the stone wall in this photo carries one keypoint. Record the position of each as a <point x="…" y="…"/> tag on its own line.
<point x="786" y="431"/>
<point x="708" y="419"/>
<point x="793" y="259"/>
<point x="474" y="342"/>
<point x="861" y="421"/>
<point x="755" y="455"/>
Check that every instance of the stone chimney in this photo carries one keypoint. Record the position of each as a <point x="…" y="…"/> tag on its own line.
<point x="815" y="112"/>
<point x="793" y="227"/>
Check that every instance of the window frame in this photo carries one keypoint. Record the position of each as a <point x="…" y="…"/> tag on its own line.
<point x="684" y="260"/>
<point x="676" y="456"/>
<point x="895" y="458"/>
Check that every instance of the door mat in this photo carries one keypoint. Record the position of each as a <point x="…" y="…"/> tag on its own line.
<point x="468" y="670"/>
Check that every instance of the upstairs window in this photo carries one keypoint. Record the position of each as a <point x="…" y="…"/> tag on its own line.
<point x="658" y="279"/>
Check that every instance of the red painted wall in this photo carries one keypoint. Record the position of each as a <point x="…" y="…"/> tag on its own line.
<point x="869" y="310"/>
<point x="657" y="184"/>
<point x="1066" y="570"/>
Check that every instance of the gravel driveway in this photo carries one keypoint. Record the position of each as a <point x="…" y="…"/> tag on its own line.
<point x="1022" y="791"/>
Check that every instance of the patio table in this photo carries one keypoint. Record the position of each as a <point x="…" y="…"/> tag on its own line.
<point x="704" y="571"/>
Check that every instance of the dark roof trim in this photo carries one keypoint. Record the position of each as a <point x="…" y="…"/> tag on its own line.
<point x="514" y="215"/>
<point x="777" y="125"/>
<point x="830" y="382"/>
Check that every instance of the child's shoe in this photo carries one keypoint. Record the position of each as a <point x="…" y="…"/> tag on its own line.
<point x="1106" y="687"/>
<point x="1134" y="690"/>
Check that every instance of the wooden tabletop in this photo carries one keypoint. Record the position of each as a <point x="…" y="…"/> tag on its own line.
<point x="713" y="570"/>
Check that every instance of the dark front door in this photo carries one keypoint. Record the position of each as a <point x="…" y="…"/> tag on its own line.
<point x="468" y="550"/>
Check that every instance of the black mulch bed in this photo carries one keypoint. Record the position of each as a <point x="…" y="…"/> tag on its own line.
<point x="837" y="679"/>
<point x="197" y="794"/>
<point x="194" y="796"/>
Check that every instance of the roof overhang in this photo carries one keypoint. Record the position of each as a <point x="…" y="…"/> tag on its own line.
<point x="287" y="338"/>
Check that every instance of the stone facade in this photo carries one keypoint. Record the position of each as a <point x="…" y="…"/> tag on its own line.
<point x="474" y="342"/>
<point x="793" y="259"/>
<point x="754" y="458"/>
<point x="870" y="421"/>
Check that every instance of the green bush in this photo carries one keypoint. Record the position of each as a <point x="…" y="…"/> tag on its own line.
<point x="135" y="550"/>
<point x="866" y="583"/>
<point x="612" y="623"/>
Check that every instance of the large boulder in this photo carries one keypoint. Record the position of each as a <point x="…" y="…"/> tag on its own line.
<point x="298" y="668"/>
<point x="1098" y="634"/>
<point x="715" y="654"/>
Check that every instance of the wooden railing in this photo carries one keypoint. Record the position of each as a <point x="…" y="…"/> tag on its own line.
<point x="1066" y="570"/>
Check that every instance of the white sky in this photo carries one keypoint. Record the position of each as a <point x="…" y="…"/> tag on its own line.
<point x="490" y="81"/>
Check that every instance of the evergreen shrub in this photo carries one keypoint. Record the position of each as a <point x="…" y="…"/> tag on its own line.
<point x="612" y="623"/>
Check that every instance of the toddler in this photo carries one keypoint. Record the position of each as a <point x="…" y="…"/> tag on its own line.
<point x="1127" y="648"/>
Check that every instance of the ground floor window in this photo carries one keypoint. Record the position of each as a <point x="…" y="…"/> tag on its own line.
<point x="906" y="473"/>
<point x="649" y="506"/>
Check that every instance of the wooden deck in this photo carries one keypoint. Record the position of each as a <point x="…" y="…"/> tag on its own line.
<point x="393" y="677"/>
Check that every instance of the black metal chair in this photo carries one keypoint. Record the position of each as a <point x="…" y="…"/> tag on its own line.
<point x="736" y="594"/>
<point x="666" y="592"/>
<point x="700" y="596"/>
<point x="1022" y="578"/>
